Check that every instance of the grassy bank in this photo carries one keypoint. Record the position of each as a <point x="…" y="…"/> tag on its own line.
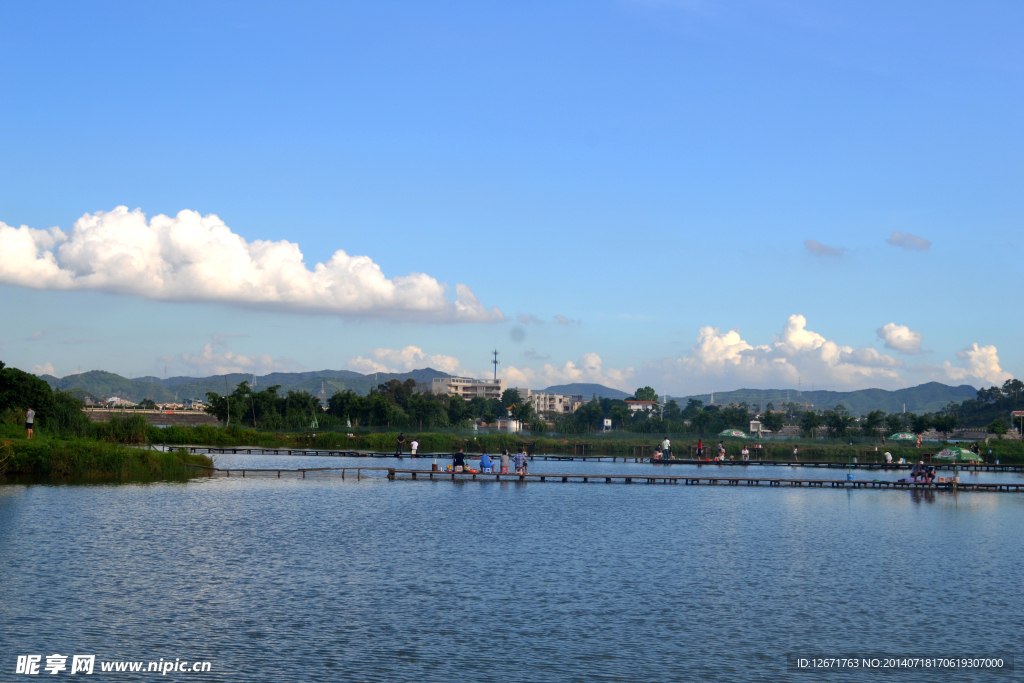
<point x="684" y="446"/>
<point x="92" y="460"/>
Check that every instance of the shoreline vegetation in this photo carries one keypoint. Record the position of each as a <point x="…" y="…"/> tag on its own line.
<point x="84" y="460"/>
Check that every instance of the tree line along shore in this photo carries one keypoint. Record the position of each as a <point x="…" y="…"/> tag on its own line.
<point x="402" y="405"/>
<point x="68" y="445"/>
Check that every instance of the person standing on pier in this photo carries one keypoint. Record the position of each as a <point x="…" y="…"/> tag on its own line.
<point x="666" y="448"/>
<point x="796" y="453"/>
<point x="413" y="447"/>
<point x="30" y="418"/>
<point x="401" y="444"/>
<point x="520" y="461"/>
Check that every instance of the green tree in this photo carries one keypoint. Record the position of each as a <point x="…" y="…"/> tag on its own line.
<point x="838" y="422"/>
<point x="997" y="426"/>
<point x="344" y="404"/>
<point x="701" y="421"/>
<point x="810" y="423"/>
<point x="920" y="423"/>
<point x="523" y="412"/>
<point x="457" y="410"/>
<point x="397" y="391"/>
<point x="20" y="391"/>
<point x="646" y="394"/>
<point x="693" y="406"/>
<point x="510" y="397"/>
<point x="894" y="423"/>
<point x="871" y="422"/>
<point x="672" y="410"/>
<point x="946" y="424"/>
<point x="772" y="421"/>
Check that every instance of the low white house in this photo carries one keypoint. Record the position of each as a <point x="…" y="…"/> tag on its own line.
<point x="636" y="406"/>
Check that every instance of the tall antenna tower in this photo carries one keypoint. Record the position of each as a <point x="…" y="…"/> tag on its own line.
<point x="495" y="362"/>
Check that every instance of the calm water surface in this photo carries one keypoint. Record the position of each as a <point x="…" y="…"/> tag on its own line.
<point x="323" y="579"/>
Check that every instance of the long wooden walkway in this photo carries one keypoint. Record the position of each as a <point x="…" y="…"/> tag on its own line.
<point x="421" y="475"/>
<point x="395" y="474"/>
<point x="247" y="450"/>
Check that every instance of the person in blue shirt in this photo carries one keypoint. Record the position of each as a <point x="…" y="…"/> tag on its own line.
<point x="520" y="462"/>
<point x="485" y="463"/>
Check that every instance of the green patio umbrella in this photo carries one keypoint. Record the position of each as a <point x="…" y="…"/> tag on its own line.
<point x="733" y="433"/>
<point x="955" y="453"/>
<point x="903" y="436"/>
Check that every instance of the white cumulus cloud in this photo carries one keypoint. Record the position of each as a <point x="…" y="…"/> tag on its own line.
<point x="900" y="338"/>
<point x="44" y="369"/>
<point x="403" y="360"/>
<point x="211" y="362"/>
<point x="589" y="368"/>
<point x="189" y="257"/>
<point x="981" y="363"/>
<point x="795" y="354"/>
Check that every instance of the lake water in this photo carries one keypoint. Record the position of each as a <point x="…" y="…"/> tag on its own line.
<point x="371" y="580"/>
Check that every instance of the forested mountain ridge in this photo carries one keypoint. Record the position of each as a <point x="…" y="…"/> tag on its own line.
<point x="101" y="385"/>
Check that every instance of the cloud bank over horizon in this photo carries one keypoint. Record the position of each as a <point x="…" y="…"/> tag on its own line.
<point x="190" y="257"/>
<point x="799" y="356"/>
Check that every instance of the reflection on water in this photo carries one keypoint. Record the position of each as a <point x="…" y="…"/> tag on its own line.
<point x="324" y="579"/>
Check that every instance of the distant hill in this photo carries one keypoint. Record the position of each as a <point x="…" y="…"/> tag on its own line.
<point x="102" y="385"/>
<point x="587" y="390"/>
<point x="924" y="398"/>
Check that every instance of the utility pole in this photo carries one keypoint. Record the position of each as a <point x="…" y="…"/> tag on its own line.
<point x="495" y="363"/>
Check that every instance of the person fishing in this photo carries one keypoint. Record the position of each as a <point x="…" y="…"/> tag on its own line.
<point x="459" y="461"/>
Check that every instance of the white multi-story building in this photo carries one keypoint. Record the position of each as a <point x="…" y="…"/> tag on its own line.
<point x="550" y="403"/>
<point x="468" y="388"/>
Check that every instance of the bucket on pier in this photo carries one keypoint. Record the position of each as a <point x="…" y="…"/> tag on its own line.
<point x="433" y="468"/>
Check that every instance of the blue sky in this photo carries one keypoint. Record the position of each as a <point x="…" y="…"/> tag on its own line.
<point x="691" y="195"/>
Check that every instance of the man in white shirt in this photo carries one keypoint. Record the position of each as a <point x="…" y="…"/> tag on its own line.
<point x="415" y="445"/>
<point x="666" y="448"/>
<point x="30" y="418"/>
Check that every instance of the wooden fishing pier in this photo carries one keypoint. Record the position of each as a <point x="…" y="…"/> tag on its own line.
<point x="689" y="480"/>
<point x="396" y="474"/>
<point x="966" y="467"/>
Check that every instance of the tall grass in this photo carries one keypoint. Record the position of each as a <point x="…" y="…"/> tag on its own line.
<point x="86" y="459"/>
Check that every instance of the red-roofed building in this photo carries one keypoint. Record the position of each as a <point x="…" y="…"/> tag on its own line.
<point x="637" y="406"/>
